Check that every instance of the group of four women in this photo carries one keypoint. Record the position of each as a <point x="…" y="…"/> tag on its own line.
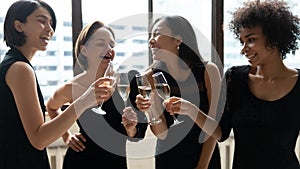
<point x="257" y="101"/>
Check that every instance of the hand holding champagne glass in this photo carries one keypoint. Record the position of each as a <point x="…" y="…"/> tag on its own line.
<point x="109" y="72"/>
<point x="163" y="90"/>
<point x="144" y="88"/>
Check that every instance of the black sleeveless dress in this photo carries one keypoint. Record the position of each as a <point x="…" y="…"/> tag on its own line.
<point x="16" y="152"/>
<point x="265" y="132"/>
<point x="182" y="147"/>
<point x="105" y="136"/>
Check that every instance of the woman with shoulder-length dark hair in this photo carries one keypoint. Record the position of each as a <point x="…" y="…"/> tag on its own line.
<point x="28" y="27"/>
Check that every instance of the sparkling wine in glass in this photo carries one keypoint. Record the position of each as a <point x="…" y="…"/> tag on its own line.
<point x="109" y="72"/>
<point x="144" y="88"/>
<point x="123" y="86"/>
<point x="163" y="90"/>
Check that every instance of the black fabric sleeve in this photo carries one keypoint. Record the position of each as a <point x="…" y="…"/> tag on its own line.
<point x="224" y="106"/>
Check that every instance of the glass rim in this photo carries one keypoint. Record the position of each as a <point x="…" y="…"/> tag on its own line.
<point x="157" y="73"/>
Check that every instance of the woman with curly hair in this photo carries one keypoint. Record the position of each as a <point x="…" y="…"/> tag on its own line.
<point x="262" y="106"/>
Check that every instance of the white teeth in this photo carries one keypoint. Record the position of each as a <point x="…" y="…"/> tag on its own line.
<point x="250" y="56"/>
<point x="47" y="38"/>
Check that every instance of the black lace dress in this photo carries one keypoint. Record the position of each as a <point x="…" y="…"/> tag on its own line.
<point x="265" y="132"/>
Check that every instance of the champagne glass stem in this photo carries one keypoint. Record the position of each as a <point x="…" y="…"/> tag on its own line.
<point x="125" y="102"/>
<point x="163" y="90"/>
<point x="108" y="73"/>
<point x="175" y="120"/>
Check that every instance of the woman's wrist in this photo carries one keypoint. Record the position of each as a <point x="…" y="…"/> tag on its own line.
<point x="131" y="133"/>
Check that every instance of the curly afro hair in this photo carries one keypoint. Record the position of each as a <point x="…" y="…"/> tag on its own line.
<point x="279" y="25"/>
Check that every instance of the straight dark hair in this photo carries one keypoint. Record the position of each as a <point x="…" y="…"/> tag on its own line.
<point x="20" y="10"/>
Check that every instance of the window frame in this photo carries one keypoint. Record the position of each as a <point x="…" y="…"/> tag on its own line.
<point x="217" y="33"/>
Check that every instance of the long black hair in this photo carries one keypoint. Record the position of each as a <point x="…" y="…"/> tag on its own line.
<point x="188" y="50"/>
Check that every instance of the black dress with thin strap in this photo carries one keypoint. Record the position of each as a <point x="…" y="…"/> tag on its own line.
<point x="16" y="152"/>
<point x="265" y="132"/>
<point x="105" y="136"/>
<point x="182" y="147"/>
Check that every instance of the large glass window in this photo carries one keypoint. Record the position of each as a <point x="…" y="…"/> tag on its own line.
<point x="49" y="64"/>
<point x="197" y="12"/>
<point x="129" y="20"/>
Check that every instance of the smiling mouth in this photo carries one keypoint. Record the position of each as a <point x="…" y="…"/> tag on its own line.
<point x="251" y="56"/>
<point x="105" y="57"/>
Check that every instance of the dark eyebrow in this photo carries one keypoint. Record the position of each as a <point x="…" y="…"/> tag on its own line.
<point x="155" y="30"/>
<point x="112" y="43"/>
<point x="44" y="17"/>
<point x="250" y="34"/>
<point x="100" y="39"/>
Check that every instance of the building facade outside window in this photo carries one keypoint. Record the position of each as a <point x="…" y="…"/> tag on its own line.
<point x="129" y="20"/>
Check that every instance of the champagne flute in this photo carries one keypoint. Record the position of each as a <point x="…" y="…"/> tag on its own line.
<point x="144" y="88"/>
<point x="163" y="90"/>
<point x="123" y="86"/>
<point x="109" y="72"/>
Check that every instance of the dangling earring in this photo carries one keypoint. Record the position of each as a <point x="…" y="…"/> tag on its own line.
<point x="177" y="47"/>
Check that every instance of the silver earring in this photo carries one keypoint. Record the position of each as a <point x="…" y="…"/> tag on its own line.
<point x="177" y="47"/>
